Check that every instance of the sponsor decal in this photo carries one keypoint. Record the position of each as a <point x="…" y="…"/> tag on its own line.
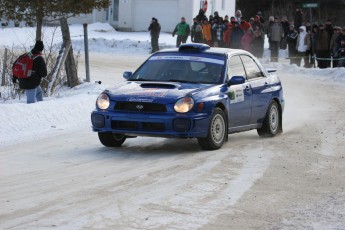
<point x="133" y="99"/>
<point x="236" y="94"/>
<point x="149" y="93"/>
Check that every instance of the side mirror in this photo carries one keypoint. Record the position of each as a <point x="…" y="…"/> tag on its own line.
<point x="127" y="75"/>
<point x="236" y="80"/>
<point x="271" y="70"/>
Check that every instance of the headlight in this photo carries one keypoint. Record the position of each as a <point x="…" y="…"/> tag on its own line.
<point x="103" y="101"/>
<point x="184" y="105"/>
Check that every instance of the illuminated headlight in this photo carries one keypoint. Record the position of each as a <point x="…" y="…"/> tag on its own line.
<point x="103" y="101"/>
<point x="184" y="105"/>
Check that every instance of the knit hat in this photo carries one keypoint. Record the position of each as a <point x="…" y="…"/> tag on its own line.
<point x="39" y="46"/>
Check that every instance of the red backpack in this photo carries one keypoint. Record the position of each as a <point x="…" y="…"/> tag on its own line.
<point x="22" y="67"/>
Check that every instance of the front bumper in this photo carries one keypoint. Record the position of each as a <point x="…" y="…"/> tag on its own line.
<point x="155" y="125"/>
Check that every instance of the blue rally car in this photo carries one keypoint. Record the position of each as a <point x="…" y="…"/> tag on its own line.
<point x="193" y="91"/>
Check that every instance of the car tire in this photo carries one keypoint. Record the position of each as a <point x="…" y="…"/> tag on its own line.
<point x="272" y="122"/>
<point x="217" y="131"/>
<point x="110" y="139"/>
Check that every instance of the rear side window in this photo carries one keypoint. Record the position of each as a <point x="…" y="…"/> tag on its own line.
<point x="235" y="67"/>
<point x="252" y="69"/>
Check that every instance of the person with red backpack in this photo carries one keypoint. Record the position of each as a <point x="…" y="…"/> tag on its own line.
<point x="29" y="69"/>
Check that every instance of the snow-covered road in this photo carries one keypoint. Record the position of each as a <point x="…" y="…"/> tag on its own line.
<point x="68" y="180"/>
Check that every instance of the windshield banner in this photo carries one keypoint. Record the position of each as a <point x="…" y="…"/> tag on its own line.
<point x="187" y="58"/>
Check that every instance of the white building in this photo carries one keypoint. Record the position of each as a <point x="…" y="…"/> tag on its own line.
<point x="135" y="15"/>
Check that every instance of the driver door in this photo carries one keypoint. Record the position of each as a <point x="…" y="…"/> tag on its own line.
<point x="240" y="96"/>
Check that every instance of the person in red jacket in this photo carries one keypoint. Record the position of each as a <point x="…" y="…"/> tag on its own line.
<point x="247" y="39"/>
<point x="244" y="25"/>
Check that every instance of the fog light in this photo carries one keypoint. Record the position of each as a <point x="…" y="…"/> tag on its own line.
<point x="98" y="120"/>
<point x="181" y="125"/>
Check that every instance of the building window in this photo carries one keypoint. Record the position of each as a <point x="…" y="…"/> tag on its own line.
<point x="115" y="10"/>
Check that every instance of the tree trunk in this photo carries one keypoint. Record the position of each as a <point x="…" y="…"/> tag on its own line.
<point x="70" y="65"/>
<point x="40" y="15"/>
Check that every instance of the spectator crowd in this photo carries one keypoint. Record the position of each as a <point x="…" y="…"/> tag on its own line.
<point x="322" y="44"/>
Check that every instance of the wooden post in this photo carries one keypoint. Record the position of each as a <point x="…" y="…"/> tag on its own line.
<point x="56" y="70"/>
<point x="4" y="69"/>
<point x="86" y="48"/>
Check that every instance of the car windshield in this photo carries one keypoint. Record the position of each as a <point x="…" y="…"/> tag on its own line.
<point x="178" y="68"/>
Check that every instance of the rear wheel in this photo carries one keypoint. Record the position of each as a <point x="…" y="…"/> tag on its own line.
<point x="217" y="131"/>
<point x="272" y="122"/>
<point x="110" y="139"/>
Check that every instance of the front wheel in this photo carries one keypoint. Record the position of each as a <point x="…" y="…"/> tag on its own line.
<point x="110" y="139"/>
<point x="272" y="122"/>
<point x="217" y="131"/>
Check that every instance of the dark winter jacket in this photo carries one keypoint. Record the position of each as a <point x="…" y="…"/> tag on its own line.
<point x="341" y="55"/>
<point x="298" y="19"/>
<point x="292" y="37"/>
<point x="155" y="29"/>
<point x="333" y="44"/>
<point x="341" y="52"/>
<point x="259" y="24"/>
<point x="196" y="33"/>
<point x="235" y="38"/>
<point x="322" y="42"/>
<point x="340" y="38"/>
<point x="39" y="71"/>
<point x="329" y="29"/>
<point x="259" y="36"/>
<point x="286" y="26"/>
<point x="201" y="16"/>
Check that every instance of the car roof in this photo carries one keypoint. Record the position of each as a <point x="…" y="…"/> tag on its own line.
<point x="204" y="49"/>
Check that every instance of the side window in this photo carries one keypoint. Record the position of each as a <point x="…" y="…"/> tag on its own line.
<point x="252" y="69"/>
<point x="235" y="67"/>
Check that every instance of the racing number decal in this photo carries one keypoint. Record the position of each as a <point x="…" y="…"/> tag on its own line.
<point x="236" y="94"/>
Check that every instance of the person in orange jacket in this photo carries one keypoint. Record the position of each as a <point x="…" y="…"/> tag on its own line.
<point x="227" y="34"/>
<point x="207" y="32"/>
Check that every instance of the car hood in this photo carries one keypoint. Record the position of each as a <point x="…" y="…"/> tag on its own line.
<point x="156" y="92"/>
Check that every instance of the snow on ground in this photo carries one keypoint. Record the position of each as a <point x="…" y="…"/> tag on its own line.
<point x="72" y="107"/>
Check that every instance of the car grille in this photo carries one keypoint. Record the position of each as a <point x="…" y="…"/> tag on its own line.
<point x="140" y="107"/>
<point x="138" y="126"/>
